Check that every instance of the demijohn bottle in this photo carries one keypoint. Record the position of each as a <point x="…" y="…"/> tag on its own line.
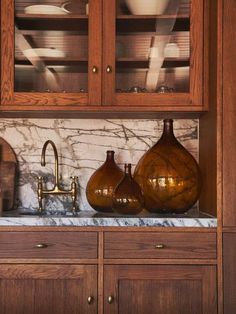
<point x="127" y="197"/>
<point x="102" y="183"/>
<point x="168" y="175"/>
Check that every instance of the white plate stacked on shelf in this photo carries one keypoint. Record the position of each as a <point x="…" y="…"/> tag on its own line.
<point x="44" y="9"/>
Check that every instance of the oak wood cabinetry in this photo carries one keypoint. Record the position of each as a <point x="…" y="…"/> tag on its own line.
<point x="160" y="289"/>
<point x="102" y="55"/>
<point x="229" y="153"/>
<point x="35" y="289"/>
<point x="93" y="279"/>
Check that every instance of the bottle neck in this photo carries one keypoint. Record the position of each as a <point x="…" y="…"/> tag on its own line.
<point x="168" y="131"/>
<point x="110" y="156"/>
<point x="128" y="170"/>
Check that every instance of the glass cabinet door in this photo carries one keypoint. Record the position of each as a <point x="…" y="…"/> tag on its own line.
<point x="152" y="44"/>
<point x="51" y="46"/>
<point x="52" y="40"/>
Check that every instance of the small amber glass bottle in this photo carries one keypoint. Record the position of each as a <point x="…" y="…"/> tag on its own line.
<point x="127" y="197"/>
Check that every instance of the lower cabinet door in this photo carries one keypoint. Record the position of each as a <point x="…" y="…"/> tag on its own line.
<point x="164" y="289"/>
<point x="48" y="289"/>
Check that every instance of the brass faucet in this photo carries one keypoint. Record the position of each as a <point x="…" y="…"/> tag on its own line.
<point x="56" y="190"/>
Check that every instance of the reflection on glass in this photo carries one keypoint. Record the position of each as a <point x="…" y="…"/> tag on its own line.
<point x="152" y="45"/>
<point x="51" y="49"/>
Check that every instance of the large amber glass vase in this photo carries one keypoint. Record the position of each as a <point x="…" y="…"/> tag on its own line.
<point x="102" y="183"/>
<point x="127" y="197"/>
<point x="168" y="174"/>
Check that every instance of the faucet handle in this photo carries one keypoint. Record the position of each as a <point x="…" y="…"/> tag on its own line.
<point x="74" y="178"/>
<point x="41" y="179"/>
<point x="74" y="188"/>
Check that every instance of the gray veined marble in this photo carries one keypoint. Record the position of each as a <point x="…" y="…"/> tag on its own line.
<point x="82" y="145"/>
<point x="88" y="218"/>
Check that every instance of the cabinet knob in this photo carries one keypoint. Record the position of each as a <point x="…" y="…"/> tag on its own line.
<point x="41" y="245"/>
<point x="110" y="299"/>
<point x="109" y="69"/>
<point x="95" y="69"/>
<point x="90" y="299"/>
<point x="159" y="246"/>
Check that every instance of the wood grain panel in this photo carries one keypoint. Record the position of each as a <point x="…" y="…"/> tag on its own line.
<point x="229" y="113"/>
<point x="160" y="289"/>
<point x="59" y="245"/>
<point x="47" y="100"/>
<point x="95" y="55"/>
<point x="35" y="289"/>
<point x="7" y="52"/>
<point x="210" y="124"/>
<point x="143" y="245"/>
<point x="109" y="32"/>
<point x="229" y="272"/>
<point x="196" y="52"/>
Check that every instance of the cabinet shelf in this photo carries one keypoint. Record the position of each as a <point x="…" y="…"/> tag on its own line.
<point x="164" y="16"/>
<point x="121" y="62"/>
<point x="124" y="23"/>
<point x="54" y="61"/>
<point x="52" y="22"/>
<point x="141" y="24"/>
<point x="51" y="16"/>
<point x="144" y="63"/>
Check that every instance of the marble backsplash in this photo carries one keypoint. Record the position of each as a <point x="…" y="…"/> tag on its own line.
<point x="82" y="146"/>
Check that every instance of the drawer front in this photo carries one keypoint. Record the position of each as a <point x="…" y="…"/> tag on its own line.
<point x="48" y="245"/>
<point x="159" y="245"/>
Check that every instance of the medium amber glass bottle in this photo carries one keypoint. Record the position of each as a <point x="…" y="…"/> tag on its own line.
<point x="168" y="175"/>
<point x="127" y="197"/>
<point x="102" y="183"/>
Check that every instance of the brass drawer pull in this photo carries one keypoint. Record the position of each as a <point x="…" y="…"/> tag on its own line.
<point x="109" y="69"/>
<point x="41" y="245"/>
<point x="159" y="246"/>
<point x="110" y="299"/>
<point x="95" y="69"/>
<point x="90" y="299"/>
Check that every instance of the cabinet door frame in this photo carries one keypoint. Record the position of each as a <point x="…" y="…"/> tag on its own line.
<point x="40" y="272"/>
<point x="192" y="101"/>
<point x="206" y="274"/>
<point x="11" y="100"/>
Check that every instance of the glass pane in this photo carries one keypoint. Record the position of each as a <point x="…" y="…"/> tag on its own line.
<point x="152" y="46"/>
<point x="51" y="46"/>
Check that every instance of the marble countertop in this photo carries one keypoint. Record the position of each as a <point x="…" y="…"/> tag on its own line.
<point x="91" y="219"/>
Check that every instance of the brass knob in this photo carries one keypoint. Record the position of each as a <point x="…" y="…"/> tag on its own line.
<point x="41" y="245"/>
<point x="95" y="69"/>
<point x="159" y="246"/>
<point x="110" y="299"/>
<point x="109" y="69"/>
<point x="90" y="299"/>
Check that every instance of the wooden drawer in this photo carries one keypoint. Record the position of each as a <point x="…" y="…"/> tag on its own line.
<point x="48" y="245"/>
<point x="159" y="245"/>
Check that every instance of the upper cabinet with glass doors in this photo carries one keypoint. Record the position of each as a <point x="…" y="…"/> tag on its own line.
<point x="153" y="52"/>
<point x="49" y="50"/>
<point x="94" y="55"/>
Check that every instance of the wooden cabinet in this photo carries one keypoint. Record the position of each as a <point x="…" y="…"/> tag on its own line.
<point x="139" y="289"/>
<point x="66" y="275"/>
<point x="37" y="289"/>
<point x="159" y="245"/>
<point x="46" y="245"/>
<point x="101" y="56"/>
